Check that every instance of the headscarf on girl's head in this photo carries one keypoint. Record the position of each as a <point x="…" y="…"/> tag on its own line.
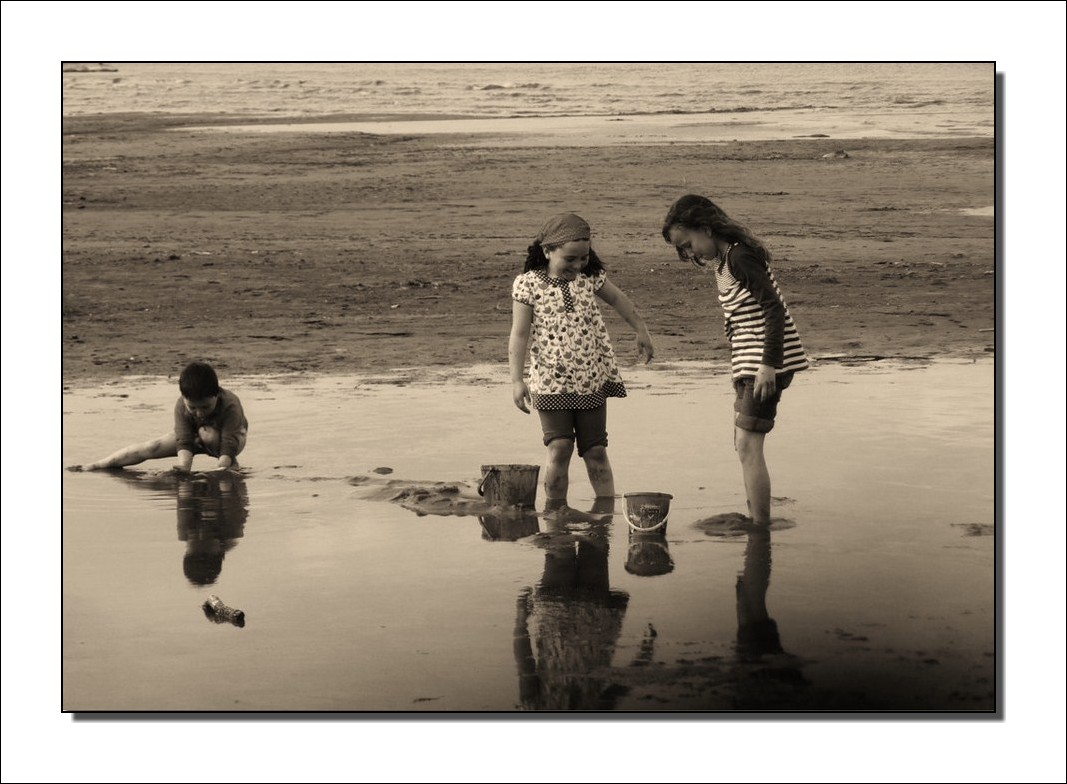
<point x="563" y="228"/>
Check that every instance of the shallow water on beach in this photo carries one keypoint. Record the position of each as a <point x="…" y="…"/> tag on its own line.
<point x="702" y="128"/>
<point x="873" y="590"/>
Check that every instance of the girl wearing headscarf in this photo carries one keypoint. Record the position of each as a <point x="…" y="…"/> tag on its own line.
<point x="557" y="321"/>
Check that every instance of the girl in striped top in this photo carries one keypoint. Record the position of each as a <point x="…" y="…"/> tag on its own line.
<point x="765" y="349"/>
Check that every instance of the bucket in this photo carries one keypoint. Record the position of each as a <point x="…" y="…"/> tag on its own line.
<point x="509" y="485"/>
<point x="647" y="511"/>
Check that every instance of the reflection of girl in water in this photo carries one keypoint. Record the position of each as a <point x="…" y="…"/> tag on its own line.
<point x="566" y="628"/>
<point x="757" y="633"/>
<point x="766" y="678"/>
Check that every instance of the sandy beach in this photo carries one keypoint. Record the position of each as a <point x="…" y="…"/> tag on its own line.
<point x="319" y="254"/>
<point x="370" y="275"/>
<point x="337" y="252"/>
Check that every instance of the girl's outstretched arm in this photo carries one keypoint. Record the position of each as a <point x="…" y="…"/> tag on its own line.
<point x="518" y="343"/>
<point x="615" y="297"/>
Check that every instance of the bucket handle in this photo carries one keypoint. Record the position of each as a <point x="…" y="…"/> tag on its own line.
<point x="656" y="527"/>
<point x="488" y="473"/>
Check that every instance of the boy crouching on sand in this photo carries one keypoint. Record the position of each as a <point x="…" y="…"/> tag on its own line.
<point x="207" y="420"/>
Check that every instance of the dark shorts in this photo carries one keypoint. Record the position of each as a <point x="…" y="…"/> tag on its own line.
<point x="587" y="426"/>
<point x="754" y="415"/>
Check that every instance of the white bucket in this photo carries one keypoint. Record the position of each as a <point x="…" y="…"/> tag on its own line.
<point x="647" y="511"/>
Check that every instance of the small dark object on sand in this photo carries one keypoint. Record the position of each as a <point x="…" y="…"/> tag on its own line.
<point x="221" y="613"/>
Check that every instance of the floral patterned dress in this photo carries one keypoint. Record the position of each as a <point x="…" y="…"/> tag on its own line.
<point x="572" y="363"/>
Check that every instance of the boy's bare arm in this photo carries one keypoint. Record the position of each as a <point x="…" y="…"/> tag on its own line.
<point x="185" y="460"/>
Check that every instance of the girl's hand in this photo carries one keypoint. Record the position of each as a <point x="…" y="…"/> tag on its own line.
<point x="520" y="393"/>
<point x="766" y="384"/>
<point x="644" y="346"/>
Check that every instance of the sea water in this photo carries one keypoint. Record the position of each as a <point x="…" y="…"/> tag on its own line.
<point x="917" y="98"/>
<point x="873" y="590"/>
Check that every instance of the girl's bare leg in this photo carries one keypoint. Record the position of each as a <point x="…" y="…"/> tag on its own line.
<point x="598" y="467"/>
<point x="557" y="468"/>
<point x="164" y="446"/>
<point x="749" y="447"/>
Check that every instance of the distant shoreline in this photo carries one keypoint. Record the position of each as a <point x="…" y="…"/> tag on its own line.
<point x="89" y="68"/>
<point x="571" y="130"/>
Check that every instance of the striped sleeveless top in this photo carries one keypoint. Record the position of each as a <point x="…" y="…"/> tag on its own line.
<point x="745" y="325"/>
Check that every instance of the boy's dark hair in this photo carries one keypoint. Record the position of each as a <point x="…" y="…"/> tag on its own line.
<point x="198" y="381"/>
<point x="202" y="568"/>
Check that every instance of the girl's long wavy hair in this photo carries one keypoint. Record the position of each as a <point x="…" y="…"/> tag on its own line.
<point x="699" y="213"/>
<point x="536" y="259"/>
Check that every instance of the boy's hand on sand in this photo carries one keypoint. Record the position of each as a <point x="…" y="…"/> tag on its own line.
<point x="520" y="393"/>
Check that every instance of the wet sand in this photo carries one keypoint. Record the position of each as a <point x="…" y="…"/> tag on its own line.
<point x="297" y="255"/>
<point x="375" y="578"/>
<point x="343" y="252"/>
<point x="304" y="254"/>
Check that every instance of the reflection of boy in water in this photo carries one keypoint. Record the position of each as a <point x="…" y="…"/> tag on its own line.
<point x="212" y="509"/>
<point x="572" y="618"/>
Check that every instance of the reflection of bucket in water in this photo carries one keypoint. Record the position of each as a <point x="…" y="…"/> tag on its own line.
<point x="647" y="511"/>
<point x="509" y="485"/>
<point x="648" y="554"/>
<point x="508" y="525"/>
